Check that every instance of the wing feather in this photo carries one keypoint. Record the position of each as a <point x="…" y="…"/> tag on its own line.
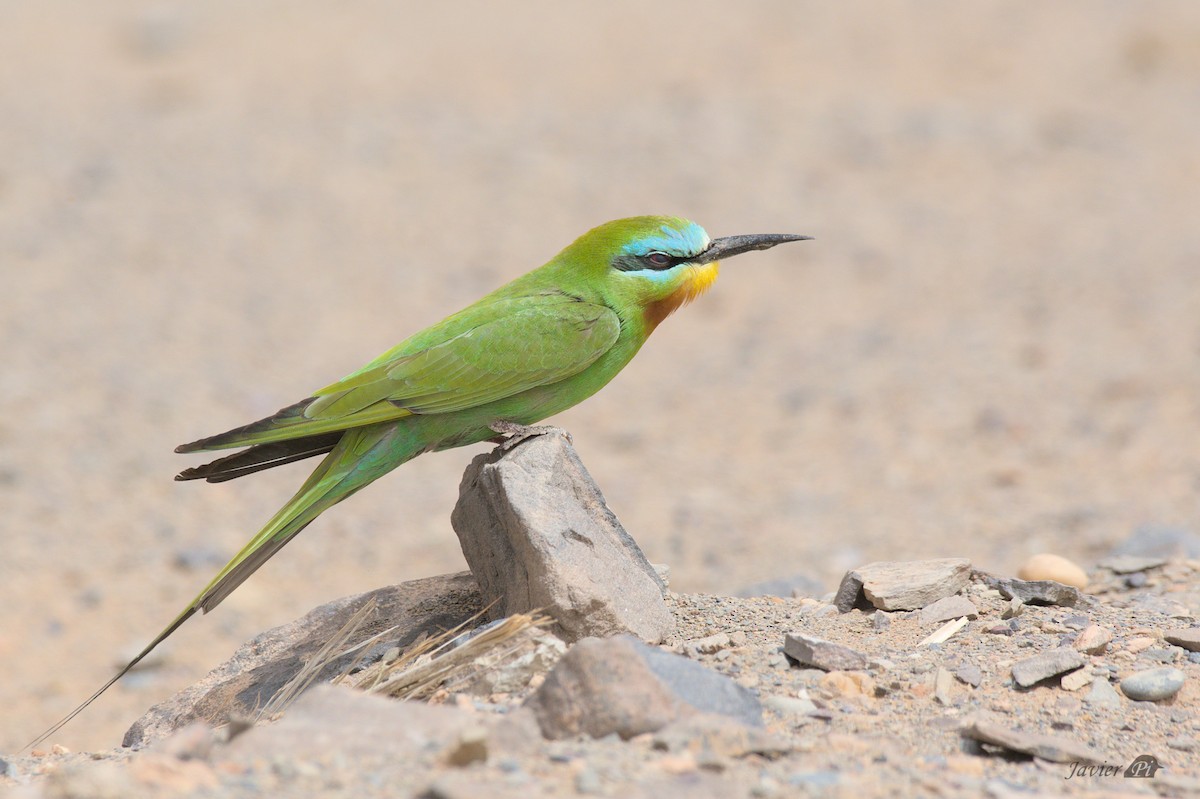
<point x="486" y="353"/>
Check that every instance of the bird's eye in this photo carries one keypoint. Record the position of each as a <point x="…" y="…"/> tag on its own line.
<point x="659" y="260"/>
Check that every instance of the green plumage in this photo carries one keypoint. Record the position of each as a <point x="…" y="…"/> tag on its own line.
<point x="537" y="346"/>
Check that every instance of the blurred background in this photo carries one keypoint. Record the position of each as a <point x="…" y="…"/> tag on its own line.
<point x="208" y="210"/>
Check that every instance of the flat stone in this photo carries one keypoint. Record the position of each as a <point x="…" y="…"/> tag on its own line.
<point x="396" y="742"/>
<point x="242" y="685"/>
<point x="537" y="534"/>
<point x="903" y="585"/>
<point x="819" y="653"/>
<point x="1034" y="592"/>
<point x="1055" y="748"/>
<point x="1152" y="540"/>
<point x="1188" y="638"/>
<point x="1076" y="679"/>
<point x="1130" y="564"/>
<point x="1093" y="639"/>
<point x="946" y="608"/>
<point x="1153" y="685"/>
<point x="1045" y="665"/>
<point x="620" y="685"/>
<point x="331" y="717"/>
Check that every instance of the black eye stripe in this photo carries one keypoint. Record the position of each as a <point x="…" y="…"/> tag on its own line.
<point x="657" y="261"/>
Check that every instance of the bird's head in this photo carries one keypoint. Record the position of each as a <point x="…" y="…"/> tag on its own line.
<point x="658" y="263"/>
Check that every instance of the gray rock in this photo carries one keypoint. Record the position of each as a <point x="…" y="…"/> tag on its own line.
<point x="1055" y="748"/>
<point x="1153" y="685"/>
<point x="394" y="741"/>
<point x="1130" y="564"/>
<point x="1103" y="695"/>
<point x="1155" y="540"/>
<point x="819" y="653"/>
<point x="1045" y="665"/>
<point x="902" y="585"/>
<point x="240" y="686"/>
<point x="946" y="608"/>
<point x="970" y="674"/>
<point x="537" y="534"/>
<point x="620" y="685"/>
<point x="1034" y="592"/>
<point x="1188" y="638"/>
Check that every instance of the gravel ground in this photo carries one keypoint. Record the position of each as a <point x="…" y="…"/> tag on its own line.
<point x="206" y="211"/>
<point x="894" y="727"/>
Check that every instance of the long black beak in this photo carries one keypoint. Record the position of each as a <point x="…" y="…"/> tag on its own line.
<point x="736" y="245"/>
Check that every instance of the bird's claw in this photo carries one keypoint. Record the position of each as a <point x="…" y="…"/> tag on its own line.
<point x="512" y="434"/>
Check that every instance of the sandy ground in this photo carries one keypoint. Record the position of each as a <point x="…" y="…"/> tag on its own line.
<point x="209" y="210"/>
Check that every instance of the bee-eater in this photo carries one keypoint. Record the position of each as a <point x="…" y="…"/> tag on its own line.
<point x="532" y="348"/>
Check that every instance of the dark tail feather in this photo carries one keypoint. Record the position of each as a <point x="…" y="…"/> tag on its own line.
<point x="179" y="620"/>
<point x="262" y="456"/>
<point x="236" y="436"/>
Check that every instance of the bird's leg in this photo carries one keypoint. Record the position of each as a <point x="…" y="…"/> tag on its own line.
<point x="512" y="433"/>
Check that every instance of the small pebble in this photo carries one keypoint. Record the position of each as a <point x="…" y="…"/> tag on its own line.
<point x="1103" y="695"/>
<point x="1153" y="685"/>
<point x="1093" y="639"/>
<point x="1136" y="645"/>
<point x="1136" y="580"/>
<point x="1053" y="567"/>
<point x="1077" y="621"/>
<point x="970" y="674"/>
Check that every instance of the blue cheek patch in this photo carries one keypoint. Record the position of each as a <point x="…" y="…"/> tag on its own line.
<point x="658" y="275"/>
<point x="687" y="240"/>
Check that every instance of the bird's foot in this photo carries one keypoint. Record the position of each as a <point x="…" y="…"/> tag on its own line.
<point x="512" y="433"/>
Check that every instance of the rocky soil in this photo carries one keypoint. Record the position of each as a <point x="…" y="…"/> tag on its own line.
<point x="945" y="719"/>
<point x="207" y="210"/>
<point x="922" y="677"/>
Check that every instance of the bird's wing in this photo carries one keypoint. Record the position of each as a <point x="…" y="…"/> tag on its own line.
<point x="535" y="341"/>
<point x="480" y="355"/>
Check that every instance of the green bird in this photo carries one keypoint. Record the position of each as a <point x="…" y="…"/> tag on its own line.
<point x="532" y="348"/>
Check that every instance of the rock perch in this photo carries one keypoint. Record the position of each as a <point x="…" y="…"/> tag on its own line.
<point x="537" y="534"/>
